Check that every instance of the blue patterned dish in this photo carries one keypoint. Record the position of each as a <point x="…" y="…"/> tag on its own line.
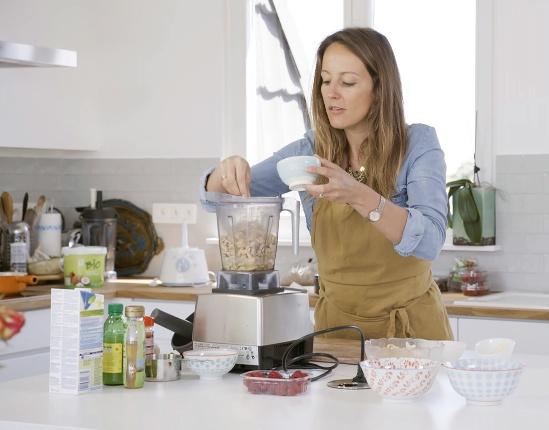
<point x="484" y="381"/>
<point x="210" y="364"/>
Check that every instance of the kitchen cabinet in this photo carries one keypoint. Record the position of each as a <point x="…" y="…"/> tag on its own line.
<point x="532" y="337"/>
<point x="27" y="353"/>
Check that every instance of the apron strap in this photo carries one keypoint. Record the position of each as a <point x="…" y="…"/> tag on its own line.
<point x="402" y="316"/>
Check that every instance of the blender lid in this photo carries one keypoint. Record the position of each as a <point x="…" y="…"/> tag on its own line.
<point x="221" y="198"/>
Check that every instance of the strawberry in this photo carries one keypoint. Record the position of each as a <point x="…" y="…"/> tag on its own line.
<point x="273" y="374"/>
<point x="298" y="374"/>
<point x="11" y="323"/>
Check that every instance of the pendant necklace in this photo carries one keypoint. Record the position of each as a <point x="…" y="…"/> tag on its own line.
<point x="359" y="175"/>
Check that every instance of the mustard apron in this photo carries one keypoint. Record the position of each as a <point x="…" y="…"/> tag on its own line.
<point x="365" y="282"/>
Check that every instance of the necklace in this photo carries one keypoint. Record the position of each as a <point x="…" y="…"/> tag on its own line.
<point x="359" y="175"/>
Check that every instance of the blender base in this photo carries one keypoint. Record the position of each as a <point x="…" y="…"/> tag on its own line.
<point x="248" y="283"/>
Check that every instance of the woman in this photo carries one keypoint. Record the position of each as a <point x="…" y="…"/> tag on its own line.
<point x="379" y="214"/>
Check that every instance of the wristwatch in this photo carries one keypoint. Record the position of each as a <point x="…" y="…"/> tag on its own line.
<point x="375" y="215"/>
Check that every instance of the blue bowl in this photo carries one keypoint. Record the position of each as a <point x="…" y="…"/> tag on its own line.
<point x="292" y="171"/>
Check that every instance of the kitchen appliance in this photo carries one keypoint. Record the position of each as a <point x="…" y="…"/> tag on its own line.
<point x="249" y="311"/>
<point x="99" y="229"/>
<point x="185" y="266"/>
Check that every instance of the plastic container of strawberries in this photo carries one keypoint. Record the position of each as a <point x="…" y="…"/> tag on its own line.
<point x="276" y="383"/>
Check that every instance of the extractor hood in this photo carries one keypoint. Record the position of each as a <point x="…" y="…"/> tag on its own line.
<point x="22" y="55"/>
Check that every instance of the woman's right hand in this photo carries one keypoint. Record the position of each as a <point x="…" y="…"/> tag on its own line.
<point x="232" y="176"/>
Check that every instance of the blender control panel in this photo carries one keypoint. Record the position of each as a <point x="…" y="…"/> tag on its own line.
<point x="247" y="354"/>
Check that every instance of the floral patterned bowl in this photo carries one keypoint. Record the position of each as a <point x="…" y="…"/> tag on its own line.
<point x="400" y="378"/>
<point x="210" y="364"/>
<point x="484" y="381"/>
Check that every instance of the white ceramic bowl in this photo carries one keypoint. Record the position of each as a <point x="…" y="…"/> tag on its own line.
<point x="403" y="347"/>
<point x="400" y="378"/>
<point x="495" y="347"/>
<point x="452" y="350"/>
<point x="484" y="381"/>
<point x="292" y="171"/>
<point x="210" y="364"/>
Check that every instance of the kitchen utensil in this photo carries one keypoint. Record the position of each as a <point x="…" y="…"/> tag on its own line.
<point x="403" y="347"/>
<point x="484" y="381"/>
<point x="293" y="171"/>
<point x="163" y="367"/>
<point x="495" y="347"/>
<point x="7" y="203"/>
<point x="30" y="217"/>
<point x="182" y="329"/>
<point x="13" y="282"/>
<point x="400" y="378"/>
<point x="25" y="205"/>
<point x="99" y="229"/>
<point x="211" y="364"/>
<point x="453" y="350"/>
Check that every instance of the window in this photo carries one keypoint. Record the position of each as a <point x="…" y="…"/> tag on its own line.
<point x="434" y="44"/>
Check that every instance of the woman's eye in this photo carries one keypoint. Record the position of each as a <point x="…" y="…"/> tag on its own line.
<point x="325" y="82"/>
<point x="348" y="84"/>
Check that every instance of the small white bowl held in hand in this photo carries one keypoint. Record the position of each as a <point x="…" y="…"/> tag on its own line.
<point x="484" y="381"/>
<point x="293" y="171"/>
<point x="400" y="378"/>
<point x="210" y="364"/>
<point x="495" y="347"/>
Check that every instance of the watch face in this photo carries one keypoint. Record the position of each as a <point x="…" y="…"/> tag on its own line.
<point x="374" y="216"/>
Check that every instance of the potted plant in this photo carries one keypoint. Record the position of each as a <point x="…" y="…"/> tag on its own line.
<point x="472" y="215"/>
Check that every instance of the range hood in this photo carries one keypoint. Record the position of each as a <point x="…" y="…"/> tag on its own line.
<point x="22" y="55"/>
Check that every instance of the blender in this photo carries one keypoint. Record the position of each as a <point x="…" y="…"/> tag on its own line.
<point x="99" y="229"/>
<point x="248" y="310"/>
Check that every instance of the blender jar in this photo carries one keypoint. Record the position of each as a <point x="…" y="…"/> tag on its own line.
<point x="248" y="231"/>
<point x="99" y="229"/>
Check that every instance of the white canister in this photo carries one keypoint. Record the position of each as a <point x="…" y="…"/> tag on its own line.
<point x="49" y="233"/>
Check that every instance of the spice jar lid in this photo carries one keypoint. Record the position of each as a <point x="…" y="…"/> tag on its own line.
<point x="148" y="321"/>
<point x="134" y="311"/>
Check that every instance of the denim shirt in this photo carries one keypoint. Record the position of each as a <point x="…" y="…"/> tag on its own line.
<point x="420" y="189"/>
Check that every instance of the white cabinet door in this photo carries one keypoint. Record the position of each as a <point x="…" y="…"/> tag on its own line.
<point x="27" y="353"/>
<point x="454" y="326"/>
<point x="532" y="337"/>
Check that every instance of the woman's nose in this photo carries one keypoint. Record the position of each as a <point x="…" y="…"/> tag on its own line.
<point x="332" y="91"/>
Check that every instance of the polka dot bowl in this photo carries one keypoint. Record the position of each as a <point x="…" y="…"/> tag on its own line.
<point x="210" y="364"/>
<point x="484" y="381"/>
<point x="400" y="378"/>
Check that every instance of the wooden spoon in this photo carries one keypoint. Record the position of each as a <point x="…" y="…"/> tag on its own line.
<point x="38" y="209"/>
<point x="7" y="202"/>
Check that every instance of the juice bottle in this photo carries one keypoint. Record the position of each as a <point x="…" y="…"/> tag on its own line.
<point x="134" y="348"/>
<point x="114" y="331"/>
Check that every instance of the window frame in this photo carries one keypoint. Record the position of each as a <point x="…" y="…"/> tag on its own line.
<point x="356" y="13"/>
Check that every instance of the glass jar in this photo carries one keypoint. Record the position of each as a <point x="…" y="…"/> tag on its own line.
<point x="134" y="348"/>
<point x="474" y="283"/>
<point x="114" y="331"/>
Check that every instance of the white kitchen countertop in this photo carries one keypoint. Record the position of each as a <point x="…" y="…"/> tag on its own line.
<point x="193" y="404"/>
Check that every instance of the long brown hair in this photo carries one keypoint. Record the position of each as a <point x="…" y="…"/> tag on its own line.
<point x="385" y="147"/>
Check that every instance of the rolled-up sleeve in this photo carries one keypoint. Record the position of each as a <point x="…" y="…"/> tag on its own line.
<point x="425" y="229"/>
<point x="206" y="204"/>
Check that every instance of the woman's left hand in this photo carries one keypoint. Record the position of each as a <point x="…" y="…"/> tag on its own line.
<point x="341" y="187"/>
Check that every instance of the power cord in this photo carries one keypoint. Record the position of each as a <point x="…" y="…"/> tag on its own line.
<point x="304" y="360"/>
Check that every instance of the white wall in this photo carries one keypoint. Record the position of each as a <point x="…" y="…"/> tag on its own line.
<point x="520" y="70"/>
<point x="149" y="81"/>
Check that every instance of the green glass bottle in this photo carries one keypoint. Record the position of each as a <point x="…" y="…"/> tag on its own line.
<point x="114" y="330"/>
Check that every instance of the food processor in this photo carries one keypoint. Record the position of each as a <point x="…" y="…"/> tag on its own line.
<point x="248" y="310"/>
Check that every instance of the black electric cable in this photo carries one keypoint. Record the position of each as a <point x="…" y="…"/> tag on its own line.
<point x="309" y="356"/>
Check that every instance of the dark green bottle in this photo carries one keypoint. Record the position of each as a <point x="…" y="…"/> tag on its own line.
<point x="113" y="346"/>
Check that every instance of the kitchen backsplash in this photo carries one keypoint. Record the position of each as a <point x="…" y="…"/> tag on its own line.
<point x="522" y="207"/>
<point x="140" y="181"/>
<point x="522" y="227"/>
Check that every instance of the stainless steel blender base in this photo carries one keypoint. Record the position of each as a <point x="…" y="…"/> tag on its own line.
<point x="250" y="283"/>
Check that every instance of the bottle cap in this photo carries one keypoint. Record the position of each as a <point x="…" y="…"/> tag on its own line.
<point x="148" y="321"/>
<point x="135" y="311"/>
<point x="115" y="308"/>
